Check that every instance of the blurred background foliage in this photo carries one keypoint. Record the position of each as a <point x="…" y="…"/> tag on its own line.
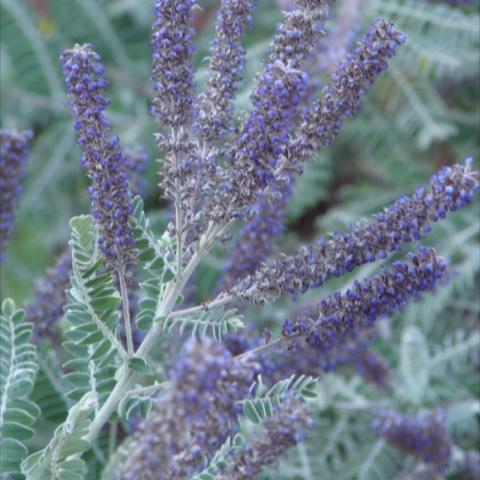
<point x="422" y="114"/>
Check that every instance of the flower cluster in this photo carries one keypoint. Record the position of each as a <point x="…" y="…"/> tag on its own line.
<point x="227" y="61"/>
<point x="403" y="222"/>
<point x="261" y="141"/>
<point x="172" y="75"/>
<point x="173" y="107"/>
<point x="424" y="436"/>
<point x="342" y="97"/>
<point x="339" y="317"/>
<point x="102" y="157"/>
<point x="196" y="416"/>
<point x="265" y="135"/>
<point x="46" y="309"/>
<point x="13" y="153"/>
<point x="255" y="241"/>
<point x="298" y="35"/>
<point x="284" y="430"/>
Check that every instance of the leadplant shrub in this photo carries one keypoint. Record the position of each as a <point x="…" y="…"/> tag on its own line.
<point x="154" y="384"/>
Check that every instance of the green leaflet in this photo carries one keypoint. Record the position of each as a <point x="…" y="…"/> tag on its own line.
<point x="134" y="403"/>
<point x="93" y="312"/>
<point x="18" y="368"/>
<point x="258" y="409"/>
<point x="154" y="257"/>
<point x="60" y="459"/>
<point x="262" y="405"/>
<point x="216" y="322"/>
<point x="50" y="389"/>
<point x="220" y="458"/>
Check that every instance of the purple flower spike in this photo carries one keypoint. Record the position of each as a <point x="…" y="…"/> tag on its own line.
<point x="342" y="98"/>
<point x="13" y="154"/>
<point x="257" y="238"/>
<point x="371" y="367"/>
<point x="261" y="141"/>
<point x="46" y="309"/>
<point x="297" y="36"/>
<point x="340" y="318"/>
<point x="102" y="158"/>
<point x="136" y="160"/>
<point x="403" y="222"/>
<point x="227" y="61"/>
<point x="172" y="78"/>
<point x="286" y="429"/>
<point x="424" y="436"/>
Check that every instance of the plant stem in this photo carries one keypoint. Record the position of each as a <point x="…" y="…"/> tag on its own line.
<point x="126" y="376"/>
<point x="148" y="389"/>
<point x="202" y="308"/>
<point x="178" y="209"/>
<point x="126" y="311"/>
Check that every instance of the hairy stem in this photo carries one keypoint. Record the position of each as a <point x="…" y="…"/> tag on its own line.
<point x="219" y="301"/>
<point x="178" y="210"/>
<point x="126" y="311"/>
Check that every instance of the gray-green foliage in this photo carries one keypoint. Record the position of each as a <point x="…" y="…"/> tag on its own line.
<point x="264" y="400"/>
<point x="60" y="459"/>
<point x="416" y="110"/>
<point x="220" y="459"/>
<point x="93" y="316"/>
<point x="18" y="368"/>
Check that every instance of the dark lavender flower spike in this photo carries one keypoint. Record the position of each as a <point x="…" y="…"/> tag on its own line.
<point x="102" y="157"/>
<point x="424" y="436"/>
<point x="340" y="318"/>
<point x="227" y="61"/>
<point x="286" y="429"/>
<point x="13" y="154"/>
<point x="260" y="144"/>
<point x="297" y="36"/>
<point x="173" y="108"/>
<point x="172" y="52"/>
<point x="46" y="309"/>
<point x="342" y="97"/>
<point x="403" y="222"/>
<point x="194" y="418"/>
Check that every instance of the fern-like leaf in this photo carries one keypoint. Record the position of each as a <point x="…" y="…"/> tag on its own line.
<point x="18" y="369"/>
<point x="50" y="390"/>
<point x="216" y="322"/>
<point x="262" y="405"/>
<point x="220" y="458"/>
<point x="60" y="459"/>
<point x="92" y="311"/>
